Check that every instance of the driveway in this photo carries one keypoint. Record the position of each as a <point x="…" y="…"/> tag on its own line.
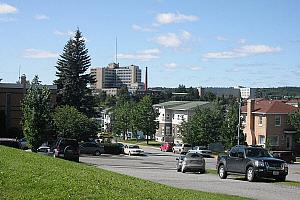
<point x="160" y="167"/>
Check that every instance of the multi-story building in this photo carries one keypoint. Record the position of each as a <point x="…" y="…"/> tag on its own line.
<point x="171" y="116"/>
<point x="114" y="76"/>
<point x="265" y="123"/>
<point x="11" y="97"/>
<point x="247" y="93"/>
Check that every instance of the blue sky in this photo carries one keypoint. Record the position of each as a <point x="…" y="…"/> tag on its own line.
<point x="254" y="43"/>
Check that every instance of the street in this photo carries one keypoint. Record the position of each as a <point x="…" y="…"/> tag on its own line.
<point x="159" y="167"/>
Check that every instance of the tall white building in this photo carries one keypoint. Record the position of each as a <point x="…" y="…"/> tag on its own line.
<point x="114" y="76"/>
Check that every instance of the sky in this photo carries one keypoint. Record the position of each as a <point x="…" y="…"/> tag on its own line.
<point x="208" y="43"/>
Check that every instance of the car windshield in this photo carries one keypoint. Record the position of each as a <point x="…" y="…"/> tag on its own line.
<point x="193" y="155"/>
<point x="134" y="147"/>
<point x="257" y="152"/>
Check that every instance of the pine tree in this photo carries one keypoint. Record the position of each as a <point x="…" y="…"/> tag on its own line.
<point x="72" y="79"/>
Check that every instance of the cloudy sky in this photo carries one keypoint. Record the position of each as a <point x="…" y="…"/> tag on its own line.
<point x="253" y="43"/>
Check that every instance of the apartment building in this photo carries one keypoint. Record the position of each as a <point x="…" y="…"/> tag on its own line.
<point x="11" y="97"/>
<point x="171" y="116"/>
<point x="265" y="123"/>
<point x="114" y="76"/>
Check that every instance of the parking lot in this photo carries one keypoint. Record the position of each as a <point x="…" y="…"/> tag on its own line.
<point x="159" y="167"/>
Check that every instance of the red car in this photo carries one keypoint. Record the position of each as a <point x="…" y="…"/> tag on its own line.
<point x="166" y="146"/>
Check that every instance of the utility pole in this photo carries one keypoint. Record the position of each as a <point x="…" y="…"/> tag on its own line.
<point x="239" y="125"/>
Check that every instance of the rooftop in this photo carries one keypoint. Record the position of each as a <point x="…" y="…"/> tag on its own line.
<point x="181" y="105"/>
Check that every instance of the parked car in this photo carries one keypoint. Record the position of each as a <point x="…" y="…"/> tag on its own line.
<point x="287" y="156"/>
<point x="191" y="162"/>
<point x="44" y="150"/>
<point x="167" y="146"/>
<point x="133" y="150"/>
<point x="253" y="161"/>
<point x="66" y="148"/>
<point x="23" y="143"/>
<point x="179" y="148"/>
<point x="10" y="142"/>
<point x="91" y="148"/>
<point x="201" y="150"/>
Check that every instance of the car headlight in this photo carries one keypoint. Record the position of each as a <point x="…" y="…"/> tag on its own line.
<point x="284" y="165"/>
<point x="258" y="163"/>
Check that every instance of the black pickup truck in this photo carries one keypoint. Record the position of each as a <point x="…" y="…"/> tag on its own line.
<point x="253" y="161"/>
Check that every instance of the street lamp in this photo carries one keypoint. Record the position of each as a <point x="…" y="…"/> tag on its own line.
<point x="239" y="125"/>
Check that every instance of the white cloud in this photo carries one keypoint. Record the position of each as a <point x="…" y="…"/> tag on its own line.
<point x="221" y="38"/>
<point x="173" y="40"/>
<point x="168" y="40"/>
<point x="171" y="66"/>
<point x="242" y="41"/>
<point x="142" y="29"/>
<point x="68" y="33"/>
<point x="144" y="55"/>
<point x="37" y="53"/>
<point x="196" y="68"/>
<point x="244" y="51"/>
<point x="41" y="17"/>
<point x="7" y="9"/>
<point x="169" y="18"/>
<point x="186" y="35"/>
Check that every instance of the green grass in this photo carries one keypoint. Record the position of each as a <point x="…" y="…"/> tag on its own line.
<point x="211" y="171"/>
<point x="25" y="175"/>
<point x="291" y="183"/>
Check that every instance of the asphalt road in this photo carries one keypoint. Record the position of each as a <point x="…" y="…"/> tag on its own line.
<point x="160" y="167"/>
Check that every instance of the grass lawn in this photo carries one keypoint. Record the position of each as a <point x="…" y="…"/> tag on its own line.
<point x="25" y="175"/>
<point x="212" y="171"/>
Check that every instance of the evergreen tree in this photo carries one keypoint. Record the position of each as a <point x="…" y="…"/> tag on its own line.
<point x="36" y="114"/>
<point x="72" y="79"/>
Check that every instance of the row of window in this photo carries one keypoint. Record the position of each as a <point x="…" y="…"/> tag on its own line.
<point x="277" y="120"/>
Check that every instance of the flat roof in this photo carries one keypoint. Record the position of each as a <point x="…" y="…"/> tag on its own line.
<point x="182" y="105"/>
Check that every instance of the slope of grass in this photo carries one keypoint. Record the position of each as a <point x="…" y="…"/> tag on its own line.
<point x="25" y="175"/>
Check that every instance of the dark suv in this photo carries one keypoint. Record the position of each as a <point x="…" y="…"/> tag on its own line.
<point x="254" y="162"/>
<point x="66" y="148"/>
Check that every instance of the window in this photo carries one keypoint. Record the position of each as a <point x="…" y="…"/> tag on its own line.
<point x="277" y="120"/>
<point x="260" y="120"/>
<point x="273" y="140"/>
<point x="261" y="139"/>
<point x="233" y="152"/>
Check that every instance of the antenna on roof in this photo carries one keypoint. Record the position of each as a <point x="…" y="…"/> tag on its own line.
<point x="19" y="73"/>
<point x="116" y="50"/>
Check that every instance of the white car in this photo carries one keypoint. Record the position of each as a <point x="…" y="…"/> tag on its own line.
<point x="131" y="149"/>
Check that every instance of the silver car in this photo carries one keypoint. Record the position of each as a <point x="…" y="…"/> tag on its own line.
<point x="193" y="162"/>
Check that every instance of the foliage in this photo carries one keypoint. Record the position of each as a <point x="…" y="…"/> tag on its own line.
<point x="205" y="126"/>
<point x="147" y="117"/>
<point x="72" y="77"/>
<point x="121" y="119"/>
<point x="294" y="120"/>
<point x="70" y="123"/>
<point x="36" y="114"/>
<point x="40" y="177"/>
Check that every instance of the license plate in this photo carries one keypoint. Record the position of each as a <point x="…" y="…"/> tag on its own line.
<point x="275" y="173"/>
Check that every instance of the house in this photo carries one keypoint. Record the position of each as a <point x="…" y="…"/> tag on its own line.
<point x="293" y="102"/>
<point x="171" y="116"/>
<point x="265" y="123"/>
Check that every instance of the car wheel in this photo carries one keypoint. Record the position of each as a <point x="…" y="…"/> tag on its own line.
<point x="222" y="172"/>
<point x="178" y="169"/>
<point x="182" y="169"/>
<point x="97" y="153"/>
<point x="250" y="175"/>
<point x="280" y="178"/>
<point x="129" y="153"/>
<point x="202" y="171"/>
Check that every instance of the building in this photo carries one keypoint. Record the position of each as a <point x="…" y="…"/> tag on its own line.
<point x="11" y="97"/>
<point x="237" y="92"/>
<point x="265" y="123"/>
<point x="247" y="93"/>
<point x="171" y="115"/>
<point x="114" y="76"/>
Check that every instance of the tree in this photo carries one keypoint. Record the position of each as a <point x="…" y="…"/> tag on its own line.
<point x="294" y="120"/>
<point x="121" y="118"/>
<point x="72" y="77"/>
<point x="147" y="117"/>
<point x="36" y="114"/>
<point x="204" y="127"/>
<point x="70" y="123"/>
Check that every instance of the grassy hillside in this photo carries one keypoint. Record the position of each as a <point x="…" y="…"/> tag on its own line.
<point x="25" y="175"/>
